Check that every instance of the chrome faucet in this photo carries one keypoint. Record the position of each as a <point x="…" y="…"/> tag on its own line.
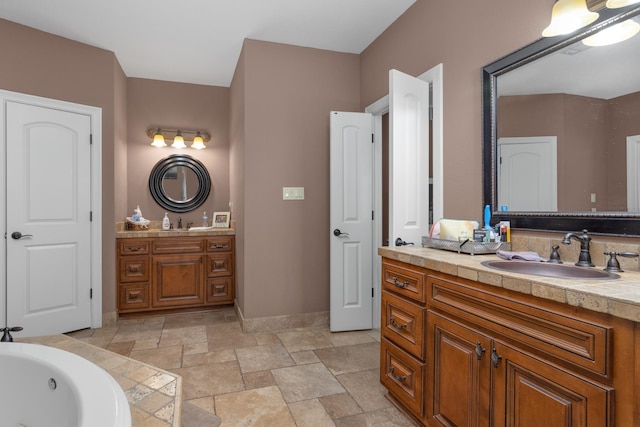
<point x="585" y="257"/>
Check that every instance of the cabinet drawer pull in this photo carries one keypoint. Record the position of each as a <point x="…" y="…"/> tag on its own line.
<point x="479" y="351"/>
<point x="134" y="268"/>
<point x="402" y="378"/>
<point x="400" y="285"/>
<point x="135" y="249"/>
<point x="495" y="358"/>
<point x="218" y="246"/>
<point x="397" y="325"/>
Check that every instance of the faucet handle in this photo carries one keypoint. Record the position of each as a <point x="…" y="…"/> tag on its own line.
<point x="613" y="265"/>
<point x="554" y="258"/>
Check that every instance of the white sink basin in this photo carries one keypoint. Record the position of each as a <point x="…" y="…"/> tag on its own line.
<point x="201" y="228"/>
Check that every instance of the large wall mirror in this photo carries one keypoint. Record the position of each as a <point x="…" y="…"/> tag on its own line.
<point x="179" y="183"/>
<point x="561" y="133"/>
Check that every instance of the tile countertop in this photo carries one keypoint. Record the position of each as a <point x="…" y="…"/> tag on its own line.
<point x="618" y="297"/>
<point x="174" y="233"/>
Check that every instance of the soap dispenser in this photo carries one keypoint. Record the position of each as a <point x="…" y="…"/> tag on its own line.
<point x="166" y="223"/>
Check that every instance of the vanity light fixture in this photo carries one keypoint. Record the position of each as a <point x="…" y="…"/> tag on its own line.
<point x="614" y="34"/>
<point x="179" y="136"/>
<point x="615" y="4"/>
<point x="568" y="16"/>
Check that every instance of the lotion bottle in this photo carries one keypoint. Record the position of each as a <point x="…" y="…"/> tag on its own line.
<point x="166" y="223"/>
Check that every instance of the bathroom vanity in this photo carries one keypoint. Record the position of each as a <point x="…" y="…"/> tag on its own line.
<point x="171" y="270"/>
<point x="465" y="345"/>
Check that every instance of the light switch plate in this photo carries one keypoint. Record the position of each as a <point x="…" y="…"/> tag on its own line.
<point x="292" y="193"/>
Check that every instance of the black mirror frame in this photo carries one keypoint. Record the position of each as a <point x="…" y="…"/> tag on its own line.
<point x="157" y="189"/>
<point x="615" y="223"/>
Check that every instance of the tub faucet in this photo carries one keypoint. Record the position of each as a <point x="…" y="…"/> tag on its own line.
<point x="6" y="337"/>
<point x="585" y="257"/>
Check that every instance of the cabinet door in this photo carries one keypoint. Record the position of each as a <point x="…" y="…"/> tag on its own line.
<point x="459" y="376"/>
<point x="531" y="393"/>
<point x="177" y="281"/>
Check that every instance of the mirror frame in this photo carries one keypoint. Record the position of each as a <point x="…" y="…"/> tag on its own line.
<point x="157" y="189"/>
<point x="613" y="223"/>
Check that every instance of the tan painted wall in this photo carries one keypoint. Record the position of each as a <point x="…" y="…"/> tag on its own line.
<point x="288" y="94"/>
<point x="463" y="36"/>
<point x="38" y="63"/>
<point x="153" y="103"/>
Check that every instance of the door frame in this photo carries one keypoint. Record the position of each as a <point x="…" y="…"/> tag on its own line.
<point x="378" y="109"/>
<point x="95" y="113"/>
<point x="633" y="174"/>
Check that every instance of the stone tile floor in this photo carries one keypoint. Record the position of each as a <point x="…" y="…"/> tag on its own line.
<point x="295" y="377"/>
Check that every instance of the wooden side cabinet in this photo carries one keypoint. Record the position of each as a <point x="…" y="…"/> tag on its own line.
<point x="170" y="273"/>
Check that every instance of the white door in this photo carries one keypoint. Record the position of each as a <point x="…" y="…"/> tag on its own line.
<point x="527" y="173"/>
<point x="351" y="222"/>
<point x="633" y="173"/>
<point x="48" y="203"/>
<point x="408" y="159"/>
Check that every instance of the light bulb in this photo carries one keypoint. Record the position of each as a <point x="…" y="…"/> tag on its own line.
<point x="567" y="16"/>
<point x="178" y="141"/>
<point x="158" y="140"/>
<point x="614" y="34"/>
<point x="198" y="142"/>
<point x="615" y="4"/>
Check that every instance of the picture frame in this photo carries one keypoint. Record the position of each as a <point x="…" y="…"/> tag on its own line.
<point x="221" y="219"/>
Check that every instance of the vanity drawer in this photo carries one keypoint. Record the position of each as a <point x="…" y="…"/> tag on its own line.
<point x="557" y="333"/>
<point x="134" y="296"/>
<point x="404" y="281"/>
<point x="177" y="246"/>
<point x="219" y="265"/>
<point x="220" y="244"/>
<point x="403" y="376"/>
<point x="134" y="269"/>
<point x="220" y="290"/>
<point x="133" y="247"/>
<point x="403" y="323"/>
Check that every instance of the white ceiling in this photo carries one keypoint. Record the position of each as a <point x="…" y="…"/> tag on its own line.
<point x="199" y="41"/>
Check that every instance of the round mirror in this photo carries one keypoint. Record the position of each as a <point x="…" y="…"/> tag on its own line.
<point x="179" y="183"/>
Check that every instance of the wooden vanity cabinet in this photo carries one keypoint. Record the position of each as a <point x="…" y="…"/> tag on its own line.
<point x="495" y="357"/>
<point x="168" y="273"/>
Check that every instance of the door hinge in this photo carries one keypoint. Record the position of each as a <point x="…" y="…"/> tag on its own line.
<point x="372" y="141"/>
<point x="91" y="293"/>
<point x="430" y="112"/>
<point x="372" y="215"/>
<point x="90" y="139"/>
<point x="372" y="290"/>
<point x="90" y="216"/>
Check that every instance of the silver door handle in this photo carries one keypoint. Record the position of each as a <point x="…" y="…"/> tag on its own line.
<point x="16" y="235"/>
<point x="339" y="233"/>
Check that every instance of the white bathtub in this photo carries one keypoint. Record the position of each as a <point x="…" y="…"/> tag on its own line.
<point x="42" y="386"/>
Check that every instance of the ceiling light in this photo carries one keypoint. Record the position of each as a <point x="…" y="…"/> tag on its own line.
<point x="198" y="142"/>
<point x="615" y="4"/>
<point x="179" y="137"/>
<point x="178" y="141"/>
<point x="158" y="139"/>
<point x="614" y="34"/>
<point x="568" y="16"/>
